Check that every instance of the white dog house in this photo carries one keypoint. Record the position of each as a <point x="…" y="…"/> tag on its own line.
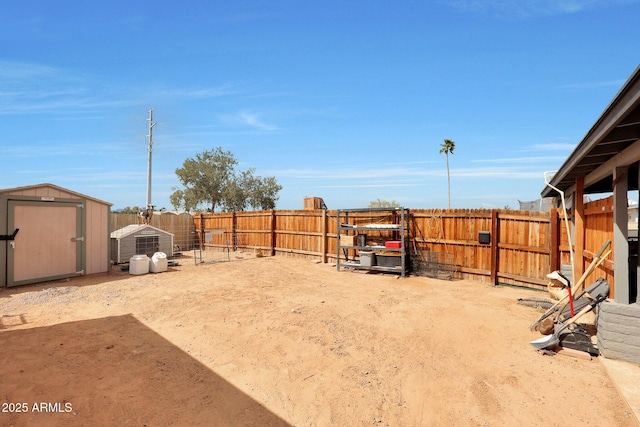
<point x="139" y="240"/>
<point x="48" y="233"/>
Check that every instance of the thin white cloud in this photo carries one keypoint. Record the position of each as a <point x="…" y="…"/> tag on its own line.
<point x="19" y="71"/>
<point x="55" y="149"/>
<point x="526" y="160"/>
<point x="247" y="118"/>
<point x="499" y="172"/>
<point x="370" y="185"/>
<point x="254" y="120"/>
<point x="560" y="146"/>
<point x="67" y="105"/>
<point x="506" y="172"/>
<point x="126" y="177"/>
<point x="39" y="93"/>
<point x="351" y="173"/>
<point x="532" y="8"/>
<point x="197" y="93"/>
<point x="592" y="85"/>
<point x="35" y="88"/>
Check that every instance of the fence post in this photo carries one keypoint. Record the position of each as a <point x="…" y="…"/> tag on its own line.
<point x="201" y="237"/>
<point x="273" y="232"/>
<point x="494" y="246"/>
<point x="323" y="242"/>
<point x="234" y="231"/>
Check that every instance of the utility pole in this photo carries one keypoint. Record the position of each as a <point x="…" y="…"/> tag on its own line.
<point x="149" y="208"/>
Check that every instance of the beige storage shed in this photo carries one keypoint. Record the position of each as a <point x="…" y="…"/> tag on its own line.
<point x="48" y="233"/>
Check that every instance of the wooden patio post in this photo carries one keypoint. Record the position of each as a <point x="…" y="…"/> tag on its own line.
<point x="579" y="229"/>
<point x="554" y="241"/>
<point x="620" y="288"/>
<point x="494" y="247"/>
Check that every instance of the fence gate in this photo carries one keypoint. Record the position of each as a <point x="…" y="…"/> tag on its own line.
<point x="211" y="245"/>
<point x="49" y="243"/>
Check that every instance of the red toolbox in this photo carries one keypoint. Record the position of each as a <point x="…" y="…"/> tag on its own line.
<point x="396" y="244"/>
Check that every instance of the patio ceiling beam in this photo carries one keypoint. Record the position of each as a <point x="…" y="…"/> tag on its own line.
<point x="618" y="124"/>
<point x="624" y="158"/>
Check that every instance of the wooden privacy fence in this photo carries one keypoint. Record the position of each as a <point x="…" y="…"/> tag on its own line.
<point x="523" y="246"/>
<point x="296" y="232"/>
<point x="598" y="228"/>
<point x="520" y="250"/>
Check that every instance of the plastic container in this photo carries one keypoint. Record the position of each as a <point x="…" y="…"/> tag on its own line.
<point x="158" y="262"/>
<point x="396" y="244"/>
<point x="367" y="258"/>
<point x="139" y="264"/>
<point x="389" y="260"/>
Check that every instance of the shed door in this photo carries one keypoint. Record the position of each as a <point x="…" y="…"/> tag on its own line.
<point x="49" y="244"/>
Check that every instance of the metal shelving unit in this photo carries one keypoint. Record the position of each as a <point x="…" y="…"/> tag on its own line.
<point x="399" y="226"/>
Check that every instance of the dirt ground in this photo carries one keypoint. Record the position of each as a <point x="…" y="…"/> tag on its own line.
<point x="279" y="341"/>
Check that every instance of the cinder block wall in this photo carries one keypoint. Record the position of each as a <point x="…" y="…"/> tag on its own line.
<point x="619" y="331"/>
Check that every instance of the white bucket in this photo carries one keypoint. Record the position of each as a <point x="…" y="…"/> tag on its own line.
<point x="139" y="264"/>
<point x="158" y="262"/>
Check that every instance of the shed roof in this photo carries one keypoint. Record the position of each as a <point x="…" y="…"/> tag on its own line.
<point x="54" y="187"/>
<point x="610" y="142"/>
<point x="134" y="228"/>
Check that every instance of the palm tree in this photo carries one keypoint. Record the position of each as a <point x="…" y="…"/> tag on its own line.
<point x="447" y="147"/>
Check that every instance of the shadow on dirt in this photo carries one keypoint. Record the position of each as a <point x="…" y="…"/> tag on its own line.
<point x="116" y="371"/>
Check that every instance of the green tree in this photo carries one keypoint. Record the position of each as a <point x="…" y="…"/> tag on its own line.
<point x="383" y="204"/>
<point x="447" y="147"/>
<point x="211" y="179"/>
<point x="204" y="179"/>
<point x="263" y="192"/>
<point x="234" y="197"/>
<point x="183" y="199"/>
<point x="268" y="195"/>
<point x="248" y="190"/>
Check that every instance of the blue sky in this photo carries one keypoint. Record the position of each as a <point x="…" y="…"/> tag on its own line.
<point x="349" y="101"/>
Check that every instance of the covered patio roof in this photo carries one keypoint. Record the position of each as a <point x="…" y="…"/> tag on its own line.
<point x="613" y="141"/>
